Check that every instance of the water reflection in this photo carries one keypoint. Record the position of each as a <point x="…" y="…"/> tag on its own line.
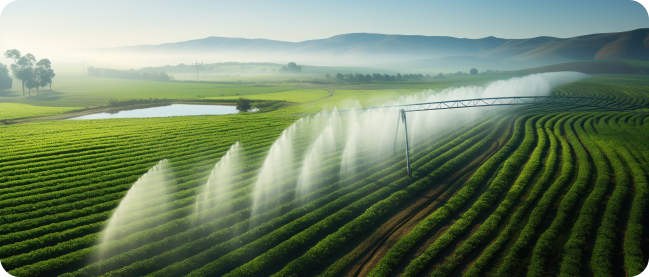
<point x="165" y="111"/>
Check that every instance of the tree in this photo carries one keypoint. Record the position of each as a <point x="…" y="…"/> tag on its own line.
<point x="294" y="67"/>
<point x="399" y="77"/>
<point x="243" y="105"/>
<point x="32" y="81"/>
<point x="5" y="80"/>
<point x="23" y="68"/>
<point x="473" y="71"/>
<point x="44" y="73"/>
<point x="340" y="76"/>
<point x="350" y="77"/>
<point x="14" y="54"/>
<point x="359" y="78"/>
<point x="25" y="72"/>
<point x="40" y="76"/>
<point x="327" y="76"/>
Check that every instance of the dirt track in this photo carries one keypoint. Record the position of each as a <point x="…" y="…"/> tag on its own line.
<point x="396" y="225"/>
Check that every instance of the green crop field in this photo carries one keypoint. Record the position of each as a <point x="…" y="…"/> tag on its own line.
<point x="296" y="96"/>
<point x="93" y="91"/>
<point x="84" y="92"/>
<point x="15" y="110"/>
<point x="534" y="191"/>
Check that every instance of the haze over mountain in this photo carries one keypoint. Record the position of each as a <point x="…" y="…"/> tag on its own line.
<point x="382" y="48"/>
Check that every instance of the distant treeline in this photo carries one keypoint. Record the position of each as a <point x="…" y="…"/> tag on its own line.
<point x="183" y="68"/>
<point x="129" y="74"/>
<point x="360" y="78"/>
<point x="376" y="77"/>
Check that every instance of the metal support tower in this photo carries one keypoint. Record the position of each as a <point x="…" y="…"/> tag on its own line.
<point x="402" y="112"/>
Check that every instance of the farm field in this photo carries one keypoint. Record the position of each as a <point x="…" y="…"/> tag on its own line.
<point x="516" y="191"/>
<point x="81" y="92"/>
<point x="15" y="110"/>
<point x="93" y="91"/>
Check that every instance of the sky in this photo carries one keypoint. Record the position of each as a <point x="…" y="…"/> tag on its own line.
<point x="60" y="24"/>
<point x="61" y="29"/>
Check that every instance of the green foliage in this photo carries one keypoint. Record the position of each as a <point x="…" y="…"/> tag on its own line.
<point x="60" y="182"/>
<point x="525" y="177"/>
<point x="5" y="79"/>
<point x="243" y="105"/>
<point x="15" y="111"/>
<point x="571" y="263"/>
<point x="505" y="175"/>
<point x="567" y="205"/>
<point x="525" y="237"/>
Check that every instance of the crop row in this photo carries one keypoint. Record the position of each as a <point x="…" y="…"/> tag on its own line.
<point x="491" y="224"/>
<point x="332" y="242"/>
<point x="501" y="182"/>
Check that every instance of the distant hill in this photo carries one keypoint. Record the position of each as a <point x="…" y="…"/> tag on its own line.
<point x="588" y="67"/>
<point x="631" y="45"/>
<point x="464" y="63"/>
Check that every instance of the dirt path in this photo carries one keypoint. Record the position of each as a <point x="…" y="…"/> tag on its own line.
<point x="377" y="244"/>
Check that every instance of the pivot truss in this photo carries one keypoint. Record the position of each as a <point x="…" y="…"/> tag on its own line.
<point x="507" y="101"/>
<point x="518" y="100"/>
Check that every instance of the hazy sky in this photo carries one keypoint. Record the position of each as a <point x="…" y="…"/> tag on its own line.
<point x="34" y="24"/>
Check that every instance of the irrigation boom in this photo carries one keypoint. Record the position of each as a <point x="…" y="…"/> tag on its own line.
<point x="504" y="101"/>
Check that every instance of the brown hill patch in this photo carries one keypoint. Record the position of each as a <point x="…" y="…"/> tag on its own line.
<point x="584" y="67"/>
<point x="632" y="45"/>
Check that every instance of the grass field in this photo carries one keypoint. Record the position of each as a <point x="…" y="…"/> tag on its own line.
<point x="533" y="191"/>
<point x="295" y="96"/>
<point x="91" y="91"/>
<point x="13" y="110"/>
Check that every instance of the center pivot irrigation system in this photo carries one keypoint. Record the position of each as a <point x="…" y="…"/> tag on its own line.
<point x="505" y="101"/>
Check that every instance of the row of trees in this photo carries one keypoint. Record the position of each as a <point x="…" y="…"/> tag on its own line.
<point x="129" y="74"/>
<point x="360" y="78"/>
<point x="29" y="72"/>
<point x="367" y="78"/>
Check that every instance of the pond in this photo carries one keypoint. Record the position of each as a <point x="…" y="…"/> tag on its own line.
<point x="164" y="111"/>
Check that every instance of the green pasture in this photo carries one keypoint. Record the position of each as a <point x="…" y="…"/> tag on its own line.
<point x="15" y="110"/>
<point x="295" y="96"/>
<point x="93" y="91"/>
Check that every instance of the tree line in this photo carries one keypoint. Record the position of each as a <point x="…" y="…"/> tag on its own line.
<point x="360" y="78"/>
<point x="28" y="71"/>
<point x="129" y="74"/>
<point x="377" y="77"/>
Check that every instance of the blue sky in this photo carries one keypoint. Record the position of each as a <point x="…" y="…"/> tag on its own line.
<point x="102" y="23"/>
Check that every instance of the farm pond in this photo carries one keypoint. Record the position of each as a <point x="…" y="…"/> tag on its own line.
<point x="164" y="111"/>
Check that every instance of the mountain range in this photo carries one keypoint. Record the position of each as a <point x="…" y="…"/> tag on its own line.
<point x="632" y="45"/>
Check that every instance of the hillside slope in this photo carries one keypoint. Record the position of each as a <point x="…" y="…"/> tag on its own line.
<point x="620" y="45"/>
